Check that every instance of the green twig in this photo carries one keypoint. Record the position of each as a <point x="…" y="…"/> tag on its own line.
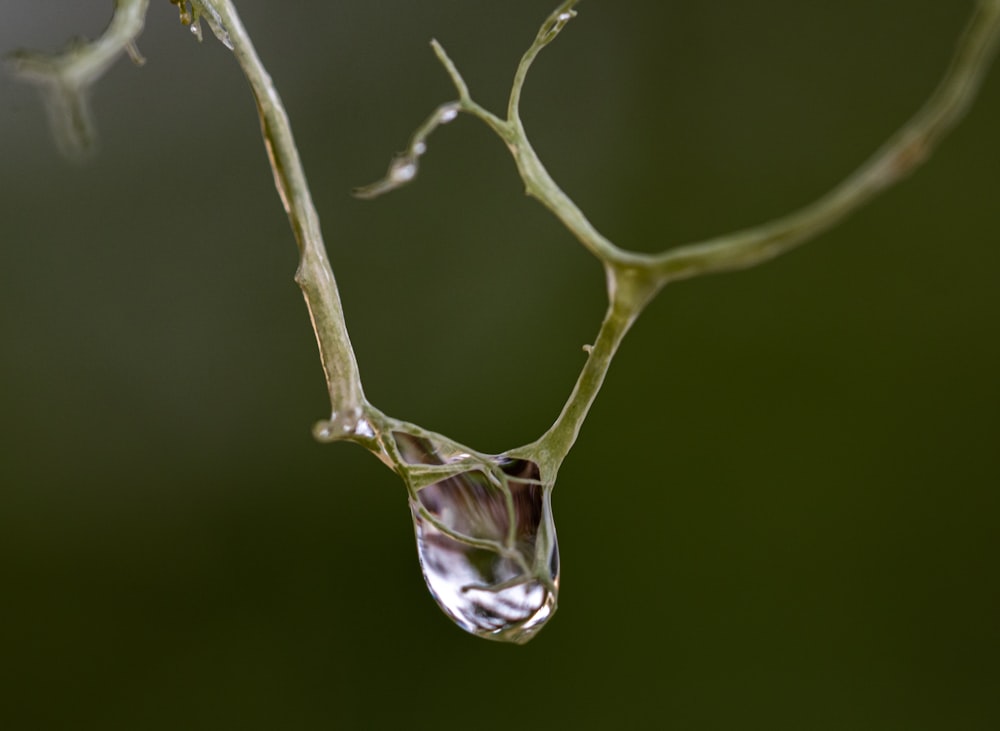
<point x="903" y="153"/>
<point x="314" y="275"/>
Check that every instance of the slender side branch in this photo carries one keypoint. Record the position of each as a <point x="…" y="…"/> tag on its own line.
<point x="314" y="274"/>
<point x="537" y="180"/>
<point x="465" y="101"/>
<point x="631" y="290"/>
<point x="904" y="152"/>
<point x="552" y="26"/>
<point x="405" y="165"/>
<point x="65" y="79"/>
<point x="403" y="168"/>
<point x="538" y="183"/>
<point x="453" y="73"/>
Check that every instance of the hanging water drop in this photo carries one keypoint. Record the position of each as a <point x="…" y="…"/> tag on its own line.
<point x="486" y="543"/>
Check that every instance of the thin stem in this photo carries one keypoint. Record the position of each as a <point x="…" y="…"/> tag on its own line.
<point x="540" y="185"/>
<point x="904" y="152"/>
<point x="631" y="289"/>
<point x="466" y="103"/>
<point x="453" y="73"/>
<point x="314" y="275"/>
<point x="556" y="21"/>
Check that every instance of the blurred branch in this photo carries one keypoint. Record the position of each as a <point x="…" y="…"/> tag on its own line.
<point x="65" y="79"/>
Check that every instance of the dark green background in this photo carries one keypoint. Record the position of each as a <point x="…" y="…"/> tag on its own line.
<point x="782" y="513"/>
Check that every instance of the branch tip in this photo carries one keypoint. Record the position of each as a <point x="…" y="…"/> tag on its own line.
<point x="453" y="73"/>
<point x="556" y="22"/>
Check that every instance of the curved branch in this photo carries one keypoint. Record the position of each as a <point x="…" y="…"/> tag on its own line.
<point x="552" y="26"/>
<point x="903" y="153"/>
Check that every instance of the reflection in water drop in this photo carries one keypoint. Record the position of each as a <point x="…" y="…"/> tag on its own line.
<point x="487" y="543"/>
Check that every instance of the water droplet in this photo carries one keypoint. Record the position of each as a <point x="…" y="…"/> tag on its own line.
<point x="402" y="170"/>
<point x="486" y="542"/>
<point x="448" y="114"/>
<point x="343" y="425"/>
<point x="419" y="148"/>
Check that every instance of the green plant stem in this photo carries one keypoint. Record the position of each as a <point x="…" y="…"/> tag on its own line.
<point x="314" y="275"/>
<point x="905" y="151"/>
<point x="552" y="26"/>
<point x="630" y="290"/>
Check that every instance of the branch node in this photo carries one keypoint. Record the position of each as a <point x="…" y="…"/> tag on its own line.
<point x="453" y="73"/>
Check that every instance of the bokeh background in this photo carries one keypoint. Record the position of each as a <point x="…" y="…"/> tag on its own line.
<point x="782" y="513"/>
